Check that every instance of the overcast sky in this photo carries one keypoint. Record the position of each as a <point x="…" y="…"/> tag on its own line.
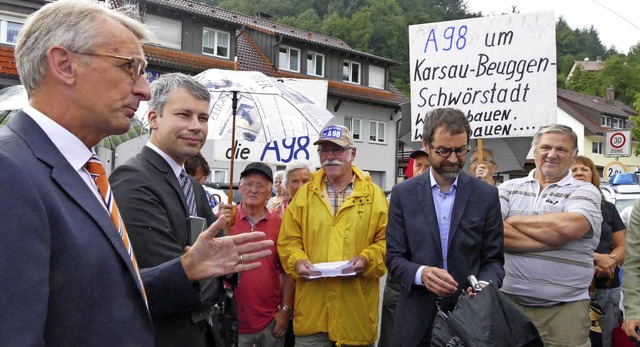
<point x="617" y="21"/>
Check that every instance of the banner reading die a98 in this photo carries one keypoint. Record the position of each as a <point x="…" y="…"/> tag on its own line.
<point x="500" y="71"/>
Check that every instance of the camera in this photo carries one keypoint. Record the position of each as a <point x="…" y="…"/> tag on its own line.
<point x="473" y="282"/>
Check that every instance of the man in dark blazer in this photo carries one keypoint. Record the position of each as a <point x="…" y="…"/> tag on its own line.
<point x="67" y="279"/>
<point x="152" y="201"/>
<point x="444" y="225"/>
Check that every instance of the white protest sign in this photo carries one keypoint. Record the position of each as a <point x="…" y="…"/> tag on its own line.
<point x="280" y="152"/>
<point x="500" y="71"/>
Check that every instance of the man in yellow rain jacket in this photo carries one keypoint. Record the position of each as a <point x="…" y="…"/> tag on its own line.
<point x="339" y="216"/>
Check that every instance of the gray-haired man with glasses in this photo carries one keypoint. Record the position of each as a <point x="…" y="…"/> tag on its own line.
<point x="70" y="276"/>
<point x="444" y="226"/>
<point x="135" y="65"/>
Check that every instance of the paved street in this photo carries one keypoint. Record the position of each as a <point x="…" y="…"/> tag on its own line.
<point x="383" y="280"/>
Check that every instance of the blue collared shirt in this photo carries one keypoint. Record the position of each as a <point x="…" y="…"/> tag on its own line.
<point x="443" y="203"/>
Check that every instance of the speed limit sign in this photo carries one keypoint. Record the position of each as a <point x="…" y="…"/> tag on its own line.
<point x="617" y="143"/>
<point x="613" y="168"/>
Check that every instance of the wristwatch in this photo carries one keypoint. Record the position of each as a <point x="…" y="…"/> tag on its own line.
<point x="285" y="308"/>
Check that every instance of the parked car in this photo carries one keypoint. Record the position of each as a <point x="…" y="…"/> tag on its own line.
<point x="622" y="190"/>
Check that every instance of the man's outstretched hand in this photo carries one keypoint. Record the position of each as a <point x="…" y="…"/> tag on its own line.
<point x="212" y="256"/>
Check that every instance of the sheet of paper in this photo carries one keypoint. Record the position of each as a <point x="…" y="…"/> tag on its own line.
<point x="331" y="269"/>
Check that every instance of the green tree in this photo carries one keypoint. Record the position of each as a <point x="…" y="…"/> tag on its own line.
<point x="575" y="44"/>
<point x="336" y="26"/>
<point x="346" y="8"/>
<point x="621" y="72"/>
<point x="429" y="11"/>
<point x="623" y="75"/>
<point x="584" y="81"/>
<point x="635" y="123"/>
<point x="307" y="20"/>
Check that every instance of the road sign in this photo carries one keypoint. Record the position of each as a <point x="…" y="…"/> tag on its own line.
<point x="613" y="168"/>
<point x="617" y="143"/>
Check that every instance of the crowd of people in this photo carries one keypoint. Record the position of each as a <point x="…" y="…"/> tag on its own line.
<point x="159" y="268"/>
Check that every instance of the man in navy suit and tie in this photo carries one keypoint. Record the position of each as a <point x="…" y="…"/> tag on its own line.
<point x="69" y="276"/>
<point x="444" y="226"/>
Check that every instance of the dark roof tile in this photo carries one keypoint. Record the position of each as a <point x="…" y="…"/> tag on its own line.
<point x="251" y="58"/>
<point x="184" y="61"/>
<point x="588" y="122"/>
<point x="377" y="96"/>
<point x="597" y="103"/>
<point x="264" y="24"/>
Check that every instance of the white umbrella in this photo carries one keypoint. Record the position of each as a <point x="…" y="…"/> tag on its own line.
<point x="259" y="108"/>
<point x="266" y="109"/>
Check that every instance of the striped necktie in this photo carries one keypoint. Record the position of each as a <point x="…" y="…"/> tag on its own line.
<point x="95" y="168"/>
<point x="187" y="188"/>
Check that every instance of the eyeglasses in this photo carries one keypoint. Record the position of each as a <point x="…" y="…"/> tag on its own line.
<point x="335" y="151"/>
<point x="136" y="65"/>
<point x="250" y="185"/>
<point x="484" y="161"/>
<point x="445" y="152"/>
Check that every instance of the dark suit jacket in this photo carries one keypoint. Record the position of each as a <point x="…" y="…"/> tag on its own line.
<point x="476" y="242"/>
<point x="66" y="279"/>
<point x="155" y="212"/>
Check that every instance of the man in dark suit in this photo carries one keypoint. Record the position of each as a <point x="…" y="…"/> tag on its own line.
<point x="154" y="205"/>
<point x="68" y="278"/>
<point x="444" y="225"/>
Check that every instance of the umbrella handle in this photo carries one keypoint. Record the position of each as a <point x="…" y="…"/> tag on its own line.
<point x="234" y="104"/>
<point x="215" y="199"/>
<point x="233" y="216"/>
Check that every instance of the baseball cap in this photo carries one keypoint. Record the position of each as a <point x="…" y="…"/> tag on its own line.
<point x="260" y="168"/>
<point x="417" y="153"/>
<point x="337" y="134"/>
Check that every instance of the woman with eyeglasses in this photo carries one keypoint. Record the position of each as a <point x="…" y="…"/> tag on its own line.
<point x="486" y="169"/>
<point x="608" y="256"/>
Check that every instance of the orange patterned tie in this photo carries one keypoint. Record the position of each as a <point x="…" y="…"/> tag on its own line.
<point x="100" y="177"/>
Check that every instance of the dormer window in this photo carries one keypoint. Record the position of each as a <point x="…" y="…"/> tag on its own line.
<point x="315" y="64"/>
<point x="167" y="31"/>
<point x="376" y="77"/>
<point x="351" y="72"/>
<point x="605" y="121"/>
<point x="289" y="59"/>
<point x="215" y="42"/>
